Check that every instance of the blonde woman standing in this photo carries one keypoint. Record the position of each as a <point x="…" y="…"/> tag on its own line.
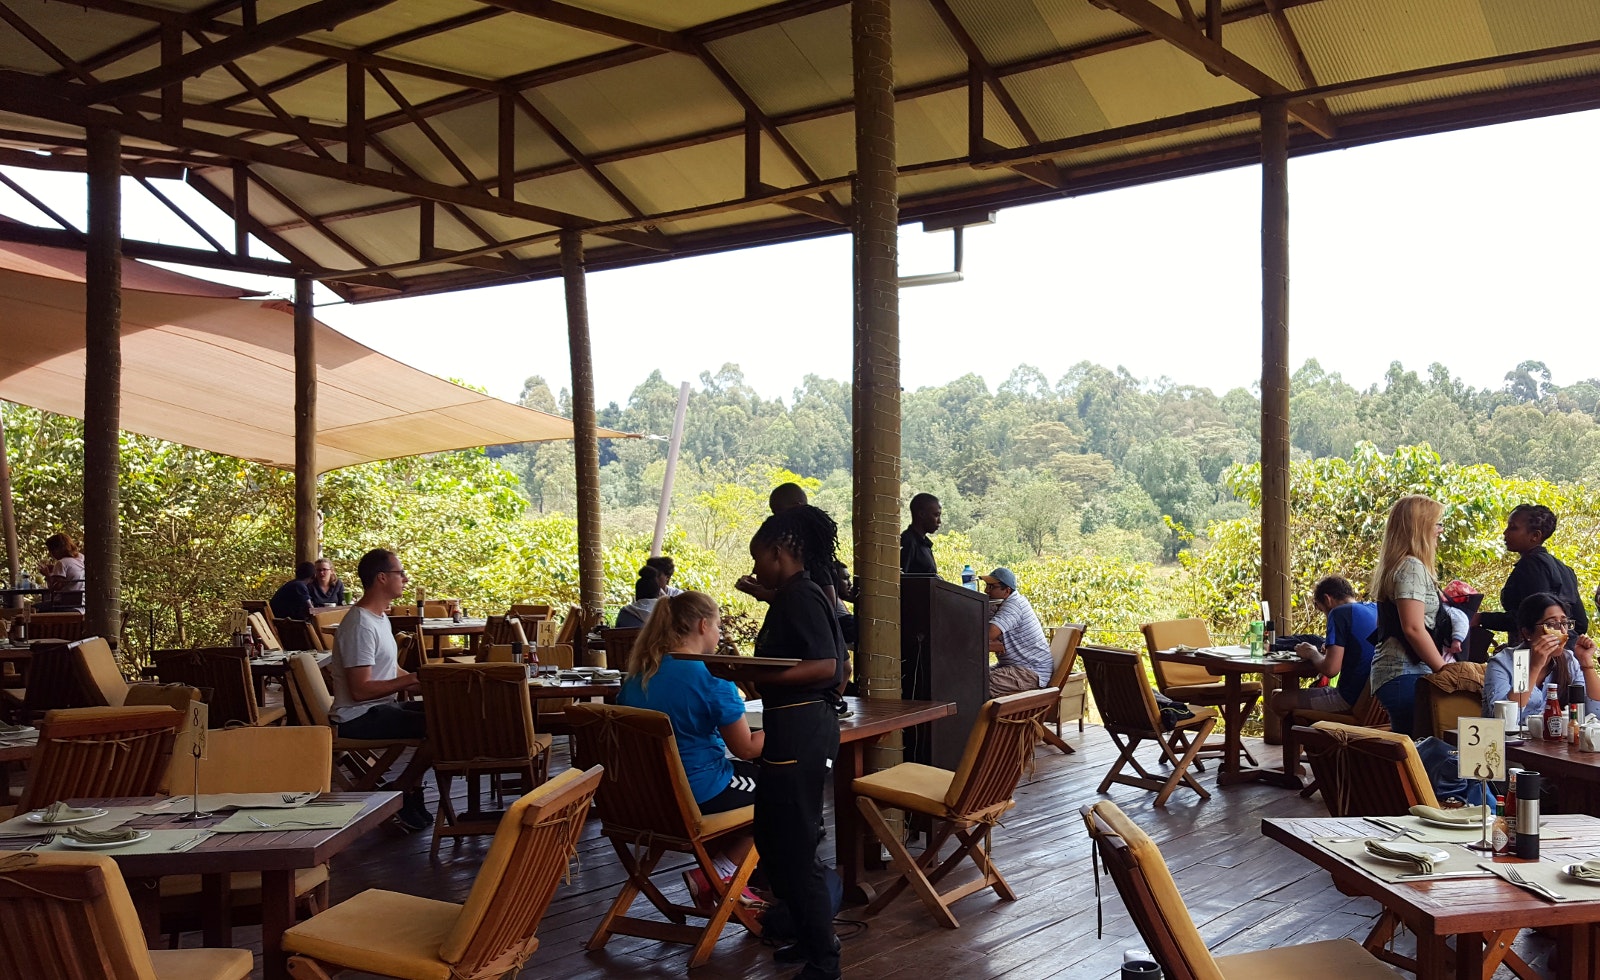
<point x="1407" y="593"/>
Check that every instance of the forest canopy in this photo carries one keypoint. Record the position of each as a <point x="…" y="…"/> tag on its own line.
<point x="1115" y="499"/>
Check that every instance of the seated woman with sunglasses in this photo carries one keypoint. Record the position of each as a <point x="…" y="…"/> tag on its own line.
<point x="1543" y="627"/>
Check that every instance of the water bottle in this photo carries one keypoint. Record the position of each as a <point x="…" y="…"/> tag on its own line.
<point x="26" y="583"/>
<point x="969" y="578"/>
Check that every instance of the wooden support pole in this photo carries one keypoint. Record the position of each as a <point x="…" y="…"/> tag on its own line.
<point x="586" y="445"/>
<point x="876" y="369"/>
<point x="307" y="542"/>
<point x="355" y="123"/>
<point x="8" y="515"/>
<point x="1275" y="557"/>
<point x="102" y="388"/>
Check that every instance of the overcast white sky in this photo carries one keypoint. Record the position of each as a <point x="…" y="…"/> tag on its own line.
<point x="1478" y="248"/>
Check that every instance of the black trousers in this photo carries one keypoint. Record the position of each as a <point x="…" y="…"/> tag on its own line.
<point x="801" y="741"/>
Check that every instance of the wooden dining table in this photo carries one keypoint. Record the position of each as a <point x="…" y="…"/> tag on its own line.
<point x="870" y="719"/>
<point x="1233" y="670"/>
<point x="436" y="629"/>
<point x="276" y="855"/>
<point x="1481" y="913"/>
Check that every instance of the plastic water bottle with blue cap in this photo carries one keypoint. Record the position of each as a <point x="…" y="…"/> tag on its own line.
<point x="969" y="578"/>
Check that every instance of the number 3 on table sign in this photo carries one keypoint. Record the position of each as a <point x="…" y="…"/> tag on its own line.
<point x="1482" y="743"/>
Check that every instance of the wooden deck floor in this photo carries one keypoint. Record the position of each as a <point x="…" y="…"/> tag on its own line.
<point x="1244" y="891"/>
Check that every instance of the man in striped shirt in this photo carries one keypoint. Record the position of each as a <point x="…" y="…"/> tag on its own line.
<point x="1016" y="638"/>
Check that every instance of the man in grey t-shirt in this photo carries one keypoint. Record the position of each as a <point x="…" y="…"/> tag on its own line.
<point x="1016" y="637"/>
<point x="367" y="679"/>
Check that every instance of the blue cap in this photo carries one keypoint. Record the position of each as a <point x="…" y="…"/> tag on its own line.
<point x="1002" y="576"/>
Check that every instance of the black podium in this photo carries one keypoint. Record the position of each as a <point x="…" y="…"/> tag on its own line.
<point x="944" y="656"/>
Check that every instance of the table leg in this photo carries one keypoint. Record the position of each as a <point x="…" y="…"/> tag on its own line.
<point x="1577" y="957"/>
<point x="1433" y="957"/>
<point x="1469" y="956"/>
<point x="277" y="915"/>
<point x="146" y="894"/>
<point x="850" y="835"/>
<point x="1233" y="769"/>
<point x="216" y="911"/>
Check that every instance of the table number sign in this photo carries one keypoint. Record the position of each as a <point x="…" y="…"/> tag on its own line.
<point x="1519" y="670"/>
<point x="1482" y="743"/>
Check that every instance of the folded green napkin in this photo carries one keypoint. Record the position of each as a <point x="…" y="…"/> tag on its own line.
<point x="101" y="836"/>
<point x="58" y="811"/>
<point x="1423" y="859"/>
<point x="1467" y="816"/>
<point x="1588" y="870"/>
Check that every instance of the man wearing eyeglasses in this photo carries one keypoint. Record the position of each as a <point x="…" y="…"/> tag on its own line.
<point x="1015" y="637"/>
<point x="367" y="679"/>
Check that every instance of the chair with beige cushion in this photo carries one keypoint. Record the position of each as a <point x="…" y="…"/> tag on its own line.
<point x="293" y="759"/>
<point x="1191" y="683"/>
<point x="1445" y="696"/>
<point x="1141" y="875"/>
<point x="265" y="631"/>
<point x="1073" y="685"/>
<point x="646" y="810"/>
<point x="1367" y="712"/>
<point x="480" y="723"/>
<point x="492" y="935"/>
<point x="81" y="924"/>
<point x="97" y="672"/>
<point x="92" y="753"/>
<point x="56" y="626"/>
<point x="326" y="623"/>
<point x="964" y="804"/>
<point x="1128" y="710"/>
<point x="297" y="634"/>
<point x="358" y="764"/>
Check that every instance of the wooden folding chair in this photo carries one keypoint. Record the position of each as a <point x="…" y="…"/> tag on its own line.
<point x="1128" y="711"/>
<point x="647" y="809"/>
<point x="1189" y="682"/>
<point x="297" y="634"/>
<point x="966" y="804"/>
<point x="480" y="722"/>
<point x="326" y="623"/>
<point x="97" y="672"/>
<point x="358" y="764"/>
<point x="56" y="626"/>
<point x="619" y="646"/>
<point x="501" y="630"/>
<point x="1073" y="685"/>
<point x="1153" y="902"/>
<point x="292" y="759"/>
<point x="1367" y="712"/>
<point x="1445" y="696"/>
<point x="265" y="629"/>
<point x="52" y="681"/>
<point x="81" y="924"/>
<point x="224" y="673"/>
<point x="531" y="611"/>
<point x="90" y="753"/>
<point x="492" y="935"/>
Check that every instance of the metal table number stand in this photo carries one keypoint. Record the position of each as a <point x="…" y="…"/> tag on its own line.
<point x="198" y="717"/>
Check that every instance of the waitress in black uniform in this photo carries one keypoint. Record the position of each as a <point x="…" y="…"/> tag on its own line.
<point x="801" y="717"/>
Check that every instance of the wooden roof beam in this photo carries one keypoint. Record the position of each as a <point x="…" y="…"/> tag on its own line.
<point x="317" y="16"/>
<point x="598" y="23"/>
<point x="1213" y="55"/>
<point x="565" y="144"/>
<point x="149" y="251"/>
<point x="1291" y="43"/>
<point x="76" y="164"/>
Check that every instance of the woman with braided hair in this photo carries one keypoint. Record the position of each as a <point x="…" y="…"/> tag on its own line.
<point x="790" y="551"/>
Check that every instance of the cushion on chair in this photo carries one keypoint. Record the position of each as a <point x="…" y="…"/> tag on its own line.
<point x="1306" y="717"/>
<point x="453" y="945"/>
<point x="1163" y="891"/>
<point x="1209" y="693"/>
<point x="201" y="964"/>
<point x="910" y="786"/>
<point x="717" y="824"/>
<point x="97" y="660"/>
<point x="1414" y="768"/>
<point x="117" y="920"/>
<point x="1332" y="959"/>
<point x="380" y="932"/>
<point x="244" y="887"/>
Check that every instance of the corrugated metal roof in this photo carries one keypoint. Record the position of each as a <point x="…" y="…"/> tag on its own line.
<point x="651" y="103"/>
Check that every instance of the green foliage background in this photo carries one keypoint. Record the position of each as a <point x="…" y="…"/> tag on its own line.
<point x="1116" y="500"/>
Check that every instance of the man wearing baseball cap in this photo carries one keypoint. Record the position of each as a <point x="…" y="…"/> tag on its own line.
<point x="1016" y="637"/>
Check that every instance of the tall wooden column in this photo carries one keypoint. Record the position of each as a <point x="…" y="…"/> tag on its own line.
<point x="1275" y="567"/>
<point x="585" y="444"/>
<point x="876" y="369"/>
<point x="307" y="547"/>
<point x="102" y="390"/>
<point x="8" y="517"/>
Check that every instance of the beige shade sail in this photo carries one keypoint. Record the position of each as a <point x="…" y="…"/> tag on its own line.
<point x="204" y="367"/>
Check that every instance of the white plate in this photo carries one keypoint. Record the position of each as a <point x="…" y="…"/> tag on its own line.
<point x="1566" y="869"/>
<point x="79" y="845"/>
<point x="37" y="817"/>
<point x="1475" y="824"/>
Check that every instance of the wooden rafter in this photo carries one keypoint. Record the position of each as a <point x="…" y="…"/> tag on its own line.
<point x="180" y="213"/>
<point x="598" y="23"/>
<point x="1291" y="43"/>
<point x="150" y="251"/>
<point x="321" y="15"/>
<point x="1213" y="55"/>
<point x="42" y="207"/>
<point x="565" y="144"/>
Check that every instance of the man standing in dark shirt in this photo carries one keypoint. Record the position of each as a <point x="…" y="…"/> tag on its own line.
<point x="1527" y="529"/>
<point x="916" y="551"/>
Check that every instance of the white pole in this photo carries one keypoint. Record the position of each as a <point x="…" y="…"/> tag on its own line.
<point x="672" y="470"/>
